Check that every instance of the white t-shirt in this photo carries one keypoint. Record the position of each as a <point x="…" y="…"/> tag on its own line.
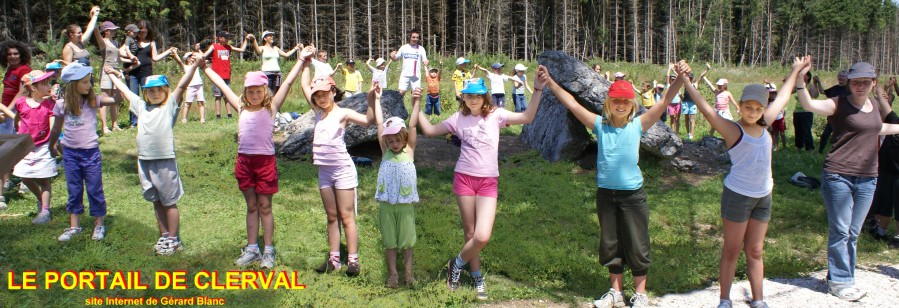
<point x="496" y="83"/>
<point x="379" y="76"/>
<point x="412" y="59"/>
<point x="197" y="80"/>
<point x="322" y="69"/>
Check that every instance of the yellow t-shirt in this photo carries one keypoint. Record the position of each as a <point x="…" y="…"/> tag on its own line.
<point x="458" y="78"/>
<point x="352" y="80"/>
<point x="647" y="99"/>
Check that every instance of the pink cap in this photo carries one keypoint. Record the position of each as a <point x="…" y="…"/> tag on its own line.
<point x="322" y="84"/>
<point x="36" y="76"/>
<point x="393" y="125"/>
<point x="256" y="78"/>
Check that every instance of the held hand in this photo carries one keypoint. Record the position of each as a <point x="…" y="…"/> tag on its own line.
<point x="307" y="52"/>
<point x="798" y="63"/>
<point x="54" y="151"/>
<point x="807" y="67"/>
<point x="416" y="95"/>
<point x="670" y="66"/>
<point x="393" y="54"/>
<point x="95" y="11"/>
<point x="111" y="71"/>
<point x="543" y="78"/>
<point x="197" y="47"/>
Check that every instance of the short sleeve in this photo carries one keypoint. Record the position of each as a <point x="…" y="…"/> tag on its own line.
<point x="597" y="125"/>
<point x="17" y="105"/>
<point x="636" y="122"/>
<point x="59" y="108"/>
<point x="457" y="76"/>
<point x="450" y="123"/>
<point x="424" y="54"/>
<point x="136" y="103"/>
<point x="502" y="116"/>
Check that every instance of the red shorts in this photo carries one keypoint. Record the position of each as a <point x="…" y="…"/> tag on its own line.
<point x="467" y="185"/>
<point x="259" y="172"/>
<point x="779" y="125"/>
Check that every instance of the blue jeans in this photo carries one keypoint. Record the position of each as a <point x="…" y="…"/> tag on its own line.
<point x="83" y="168"/>
<point x="433" y="105"/>
<point x="520" y="103"/>
<point x="846" y="201"/>
<point x="134" y="86"/>
<point x="9" y="126"/>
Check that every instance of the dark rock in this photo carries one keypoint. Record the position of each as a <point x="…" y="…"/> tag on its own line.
<point x="557" y="134"/>
<point x="300" y="132"/>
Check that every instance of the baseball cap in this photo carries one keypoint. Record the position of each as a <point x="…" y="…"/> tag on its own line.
<point x="379" y="61"/>
<point x="36" y="76"/>
<point x="132" y="27"/>
<point x="75" y="71"/>
<point x="861" y="70"/>
<point x="660" y="85"/>
<point x="474" y="86"/>
<point x="322" y="84"/>
<point x="108" y="25"/>
<point x="256" y="78"/>
<point x="461" y="61"/>
<point x="755" y="92"/>
<point x="496" y="65"/>
<point x="619" y="75"/>
<point x="721" y="82"/>
<point x="53" y="66"/>
<point x="155" y="81"/>
<point x="223" y="33"/>
<point x="621" y="89"/>
<point x="348" y="62"/>
<point x="393" y="125"/>
<point x="520" y="67"/>
<point x="265" y="33"/>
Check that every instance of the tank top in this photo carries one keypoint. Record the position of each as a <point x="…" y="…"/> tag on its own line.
<point x="254" y="132"/>
<point x="721" y="100"/>
<point x="397" y="179"/>
<point x="328" y="146"/>
<point x="111" y="54"/>
<point x="750" y="172"/>
<point x="81" y="56"/>
<point x="270" y="60"/>
<point x="856" y="140"/>
<point x="144" y="55"/>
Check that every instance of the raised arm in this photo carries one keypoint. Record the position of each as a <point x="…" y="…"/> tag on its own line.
<point x="100" y="41"/>
<point x="305" y="78"/>
<point x="208" y="51"/>
<point x="374" y="101"/>
<point x="478" y="67"/>
<point x="289" y="53"/>
<point x="413" y="120"/>
<point x="728" y="129"/>
<point x="117" y="82"/>
<point x="256" y="46"/>
<point x="646" y="121"/>
<point x="91" y="26"/>
<point x="582" y="114"/>
<point x="429" y="129"/>
<point x="189" y="71"/>
<point x="825" y="107"/>
<point x="709" y="83"/>
<point x="281" y="96"/>
<point x="5" y="111"/>
<point x="159" y="56"/>
<point x="783" y="96"/>
<point x="667" y="80"/>
<point x="528" y="115"/>
<point x="368" y="62"/>
<point x="233" y="99"/>
<point x="243" y="46"/>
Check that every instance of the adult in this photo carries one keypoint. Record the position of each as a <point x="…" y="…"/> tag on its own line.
<point x="803" y="119"/>
<point x="221" y="64"/>
<point x="835" y="91"/>
<point x="146" y="54"/>
<point x="270" y="55"/>
<point x="414" y="60"/>
<point x="850" y="169"/>
<point x="74" y="50"/>
<point x="885" y="205"/>
<point x="112" y="55"/>
<point x="15" y="58"/>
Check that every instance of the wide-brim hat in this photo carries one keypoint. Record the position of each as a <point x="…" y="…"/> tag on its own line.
<point x="474" y="86"/>
<point x="155" y="81"/>
<point x="75" y="71"/>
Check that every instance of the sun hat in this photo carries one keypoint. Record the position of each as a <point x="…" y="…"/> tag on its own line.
<point x="53" y="66"/>
<point x="520" y="67"/>
<point x="108" y="25"/>
<point x="393" y="125"/>
<point x="474" y="86"/>
<point x="462" y="60"/>
<point x="496" y="65"/>
<point x="861" y="70"/>
<point x="75" y="71"/>
<point x="155" y="81"/>
<point x="36" y="76"/>
<point x="621" y="89"/>
<point x="256" y="78"/>
<point x="721" y="82"/>
<point x="265" y="33"/>
<point x="322" y="84"/>
<point x="379" y="61"/>
<point x="755" y="92"/>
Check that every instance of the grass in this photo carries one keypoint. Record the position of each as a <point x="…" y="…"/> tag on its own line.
<point x="544" y="243"/>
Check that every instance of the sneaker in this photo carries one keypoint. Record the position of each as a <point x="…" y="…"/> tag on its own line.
<point x="352" y="269"/>
<point x="268" y="259"/>
<point x="159" y="244"/>
<point x="328" y="267"/>
<point x="170" y="246"/>
<point x="452" y="274"/>
<point x="640" y="300"/>
<point x="393" y="280"/>
<point x="690" y="136"/>
<point x="610" y="299"/>
<point x="42" y="217"/>
<point x="248" y="256"/>
<point x="758" y="304"/>
<point x="23" y="189"/>
<point x="99" y="233"/>
<point x="849" y="294"/>
<point x="68" y="234"/>
<point x="3" y="205"/>
<point x="481" y="288"/>
<point x="725" y="303"/>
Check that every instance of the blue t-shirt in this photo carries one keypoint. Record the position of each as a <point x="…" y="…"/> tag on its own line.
<point x="618" y="154"/>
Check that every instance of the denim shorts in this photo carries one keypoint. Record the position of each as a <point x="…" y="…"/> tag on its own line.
<point x="739" y="208"/>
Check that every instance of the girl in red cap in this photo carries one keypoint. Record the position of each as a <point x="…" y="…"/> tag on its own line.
<point x="255" y="168"/>
<point x="620" y="198"/>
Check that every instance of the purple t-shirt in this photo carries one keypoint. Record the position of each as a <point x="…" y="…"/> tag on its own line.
<point x="480" y="142"/>
<point x="79" y="131"/>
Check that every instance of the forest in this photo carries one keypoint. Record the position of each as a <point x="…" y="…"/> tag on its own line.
<point x="725" y="32"/>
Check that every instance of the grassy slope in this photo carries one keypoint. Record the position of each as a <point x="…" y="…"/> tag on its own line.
<point x="544" y="243"/>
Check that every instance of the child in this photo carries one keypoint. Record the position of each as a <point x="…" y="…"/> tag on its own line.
<point x="397" y="186"/>
<point x="520" y="84"/>
<point x="497" y="86"/>
<point x="379" y="72"/>
<point x="322" y="68"/>
<point x="352" y="78"/>
<point x="221" y="64"/>
<point x="460" y="75"/>
<point x="723" y="100"/>
<point x="157" y="111"/>
<point x="647" y="99"/>
<point x="657" y="95"/>
<point x="34" y="114"/>
<point x="337" y="179"/>
<point x="477" y="123"/>
<point x="76" y="111"/>
<point x="674" y="107"/>
<point x="55" y="89"/>
<point x="620" y="198"/>
<point x="433" y="81"/>
<point x="746" y="199"/>
<point x="256" y="169"/>
<point x="194" y="89"/>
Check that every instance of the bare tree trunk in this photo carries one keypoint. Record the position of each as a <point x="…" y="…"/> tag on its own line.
<point x="527" y="23"/>
<point x="368" y="18"/>
<point x="281" y="23"/>
<point x="27" y="6"/>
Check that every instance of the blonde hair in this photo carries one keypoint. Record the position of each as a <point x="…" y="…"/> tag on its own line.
<point x="403" y="134"/>
<point x="266" y="101"/>
<point x="146" y="98"/>
<point x="73" y="100"/>
<point x="486" y="108"/>
<point x="607" y="115"/>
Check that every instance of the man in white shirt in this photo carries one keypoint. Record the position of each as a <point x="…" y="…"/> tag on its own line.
<point x="414" y="60"/>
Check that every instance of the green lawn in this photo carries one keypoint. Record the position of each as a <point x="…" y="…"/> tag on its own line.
<point x="544" y="243"/>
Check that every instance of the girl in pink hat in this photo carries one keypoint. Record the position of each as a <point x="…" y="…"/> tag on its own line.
<point x="256" y="170"/>
<point x="337" y="179"/>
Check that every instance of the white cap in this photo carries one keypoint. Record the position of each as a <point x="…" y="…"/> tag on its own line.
<point x="721" y="82"/>
<point x="619" y="75"/>
<point x="520" y="67"/>
<point x="461" y="60"/>
<point x="379" y="61"/>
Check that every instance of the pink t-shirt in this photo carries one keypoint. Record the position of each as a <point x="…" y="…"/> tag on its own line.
<point x="79" y="131"/>
<point x="721" y="100"/>
<point x="480" y="142"/>
<point x="35" y="121"/>
<point x="254" y="132"/>
<point x="328" y="146"/>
